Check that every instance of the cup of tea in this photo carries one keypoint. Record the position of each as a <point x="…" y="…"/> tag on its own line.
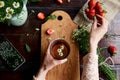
<point x="59" y="49"/>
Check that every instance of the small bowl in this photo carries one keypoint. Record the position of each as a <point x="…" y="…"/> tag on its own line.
<point x="59" y="49"/>
<point x="84" y="14"/>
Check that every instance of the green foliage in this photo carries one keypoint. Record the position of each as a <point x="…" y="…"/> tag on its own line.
<point x="81" y="36"/>
<point x="105" y="68"/>
<point x="27" y="47"/>
<point x="15" y="7"/>
<point x="99" y="50"/>
<point x="51" y="17"/>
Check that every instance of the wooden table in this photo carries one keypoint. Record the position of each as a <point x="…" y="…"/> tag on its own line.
<point x="26" y="34"/>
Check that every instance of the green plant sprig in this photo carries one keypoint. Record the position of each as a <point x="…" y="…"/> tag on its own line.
<point x="105" y="68"/>
<point x="81" y="36"/>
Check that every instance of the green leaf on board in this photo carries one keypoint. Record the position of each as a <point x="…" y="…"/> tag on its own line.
<point x="27" y="47"/>
<point x="51" y="17"/>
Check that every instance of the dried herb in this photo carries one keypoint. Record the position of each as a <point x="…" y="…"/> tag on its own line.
<point x="27" y="47"/>
<point x="32" y="12"/>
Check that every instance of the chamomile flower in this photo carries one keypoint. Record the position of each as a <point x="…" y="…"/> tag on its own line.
<point x="16" y="4"/>
<point x="9" y="10"/>
<point x="8" y="16"/>
<point x="2" y="4"/>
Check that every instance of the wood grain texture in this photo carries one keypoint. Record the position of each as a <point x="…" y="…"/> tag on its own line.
<point x="63" y="29"/>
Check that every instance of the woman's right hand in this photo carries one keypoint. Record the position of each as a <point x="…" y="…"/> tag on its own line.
<point x="97" y="32"/>
<point x="98" y="29"/>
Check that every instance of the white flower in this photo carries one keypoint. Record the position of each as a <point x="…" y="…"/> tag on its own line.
<point x="2" y="4"/>
<point x="16" y="4"/>
<point x="9" y="10"/>
<point x="8" y="16"/>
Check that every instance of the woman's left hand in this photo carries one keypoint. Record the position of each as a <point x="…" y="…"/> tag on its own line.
<point x="50" y="62"/>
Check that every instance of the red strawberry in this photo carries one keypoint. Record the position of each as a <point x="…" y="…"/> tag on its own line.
<point x="112" y="50"/>
<point x="50" y="31"/>
<point x="86" y="11"/>
<point x="41" y="15"/>
<point x="102" y="14"/>
<point x="60" y="1"/>
<point x="98" y="7"/>
<point x="91" y="4"/>
<point x="92" y="10"/>
<point x="91" y="14"/>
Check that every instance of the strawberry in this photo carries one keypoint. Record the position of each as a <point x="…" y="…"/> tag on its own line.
<point x="112" y="50"/>
<point x="41" y="15"/>
<point x="91" y="14"/>
<point x="86" y="11"/>
<point x="91" y="4"/>
<point x="98" y="7"/>
<point x="102" y="14"/>
<point x="92" y="10"/>
<point x="60" y="1"/>
<point x="50" y="31"/>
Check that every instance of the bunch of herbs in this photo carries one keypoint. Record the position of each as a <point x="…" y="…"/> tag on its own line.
<point x="81" y="36"/>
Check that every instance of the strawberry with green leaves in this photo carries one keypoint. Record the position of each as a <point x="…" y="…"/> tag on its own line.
<point x="90" y="13"/>
<point x="95" y="8"/>
<point x="99" y="10"/>
<point x="112" y="50"/>
<point x="98" y="7"/>
<point x="91" y="4"/>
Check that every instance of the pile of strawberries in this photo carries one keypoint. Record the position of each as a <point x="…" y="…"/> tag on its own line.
<point x="93" y="9"/>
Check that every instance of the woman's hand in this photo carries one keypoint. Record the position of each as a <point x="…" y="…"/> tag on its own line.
<point x="50" y="62"/>
<point x="97" y="31"/>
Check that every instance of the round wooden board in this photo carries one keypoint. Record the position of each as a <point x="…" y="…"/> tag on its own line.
<point x="63" y="29"/>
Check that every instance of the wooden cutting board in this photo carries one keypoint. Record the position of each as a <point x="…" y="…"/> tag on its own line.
<point x="63" y="26"/>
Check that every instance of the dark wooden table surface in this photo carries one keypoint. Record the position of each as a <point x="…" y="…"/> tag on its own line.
<point x="26" y="34"/>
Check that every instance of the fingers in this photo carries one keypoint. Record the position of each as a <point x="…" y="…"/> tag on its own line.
<point x="95" y="23"/>
<point x="104" y="22"/>
<point x="63" y="61"/>
<point x="101" y="20"/>
<point x="48" y="49"/>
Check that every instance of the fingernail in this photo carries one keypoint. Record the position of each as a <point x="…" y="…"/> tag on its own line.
<point x="94" y="17"/>
<point x="64" y="60"/>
